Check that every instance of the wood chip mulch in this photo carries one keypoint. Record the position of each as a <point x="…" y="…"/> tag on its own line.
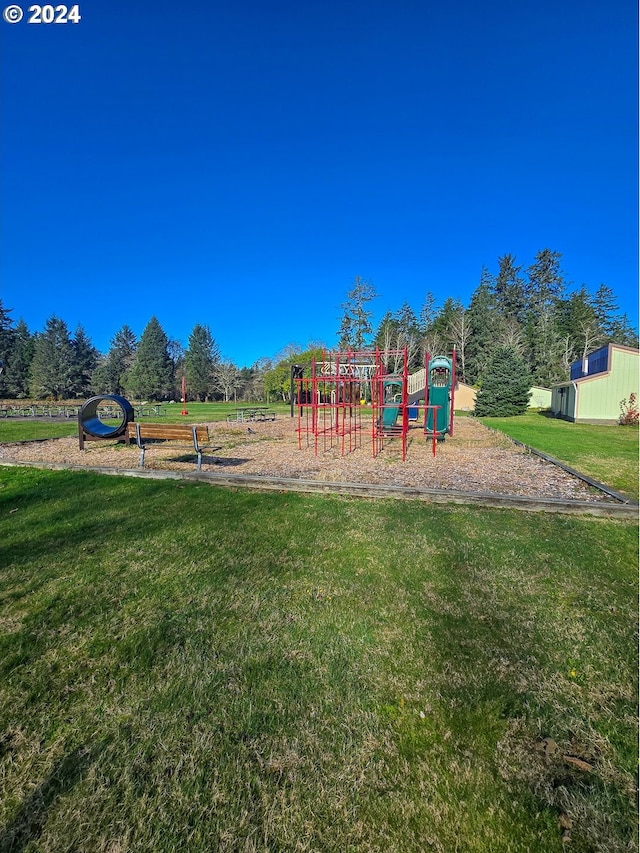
<point x="474" y="459"/>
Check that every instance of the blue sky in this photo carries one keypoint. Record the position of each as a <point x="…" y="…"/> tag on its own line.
<point x="239" y="164"/>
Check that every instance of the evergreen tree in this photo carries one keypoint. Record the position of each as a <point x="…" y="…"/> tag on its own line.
<point x="176" y="356"/>
<point x="505" y="387"/>
<point x="430" y="331"/>
<point x="544" y="293"/>
<point x="545" y="349"/>
<point x="7" y="342"/>
<point x="18" y="362"/>
<point x="397" y="332"/>
<point x="444" y="323"/>
<point x="151" y="375"/>
<point x="615" y="327"/>
<point x="250" y="388"/>
<point x="85" y="360"/>
<point x="52" y="368"/>
<point x="355" y="326"/>
<point x="577" y="327"/>
<point x="109" y="376"/>
<point x="428" y="313"/>
<point x="605" y="306"/>
<point x="623" y="332"/>
<point x="409" y="335"/>
<point x="510" y="290"/>
<point x="407" y="322"/>
<point x="482" y="328"/>
<point x="545" y="285"/>
<point x="200" y="359"/>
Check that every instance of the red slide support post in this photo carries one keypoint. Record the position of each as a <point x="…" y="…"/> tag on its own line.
<point x="184" y="396"/>
<point x="453" y="390"/>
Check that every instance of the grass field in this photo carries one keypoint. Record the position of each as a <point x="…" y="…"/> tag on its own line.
<point x="190" y="668"/>
<point x="13" y="429"/>
<point x="607" y="453"/>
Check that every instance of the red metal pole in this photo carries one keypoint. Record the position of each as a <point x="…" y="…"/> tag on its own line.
<point x="426" y="392"/>
<point x="453" y="390"/>
<point x="184" y="397"/>
<point x="405" y="403"/>
<point x="434" y="439"/>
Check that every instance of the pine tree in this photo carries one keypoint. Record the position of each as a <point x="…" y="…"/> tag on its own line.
<point x="18" y="362"/>
<point x="623" y="332"/>
<point x="151" y="375"/>
<point x="85" y="360"/>
<point x="615" y="327"/>
<point x="200" y="359"/>
<point x="428" y="313"/>
<point x="505" y="387"/>
<point x="444" y="323"/>
<point x="7" y="342"/>
<point x="355" y="326"/>
<point x="431" y="337"/>
<point x="109" y="376"/>
<point x="605" y="306"/>
<point x="577" y="327"/>
<point x="545" y="285"/>
<point x="544" y="291"/>
<point x="509" y="290"/>
<point x="483" y="322"/>
<point x="409" y="335"/>
<point x="397" y="332"/>
<point x="53" y="362"/>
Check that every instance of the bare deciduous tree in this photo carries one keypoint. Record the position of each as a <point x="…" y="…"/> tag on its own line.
<point x="227" y="378"/>
<point x="591" y="335"/>
<point x="510" y="337"/>
<point x="460" y="333"/>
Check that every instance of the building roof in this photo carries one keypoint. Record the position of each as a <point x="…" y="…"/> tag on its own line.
<point x="596" y="362"/>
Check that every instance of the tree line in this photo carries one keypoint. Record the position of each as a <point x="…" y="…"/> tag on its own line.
<point x="529" y="311"/>
<point x="55" y="364"/>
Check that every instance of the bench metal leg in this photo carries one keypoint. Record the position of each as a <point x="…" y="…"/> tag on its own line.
<point x="141" y="460"/>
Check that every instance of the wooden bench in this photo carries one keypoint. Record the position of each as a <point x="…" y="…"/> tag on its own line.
<point x="192" y="434"/>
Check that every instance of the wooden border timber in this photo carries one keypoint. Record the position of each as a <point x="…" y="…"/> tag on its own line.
<point x="362" y="490"/>
<point x="612" y="493"/>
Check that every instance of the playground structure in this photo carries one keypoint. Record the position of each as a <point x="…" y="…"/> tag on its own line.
<point x="338" y="397"/>
<point x="104" y="417"/>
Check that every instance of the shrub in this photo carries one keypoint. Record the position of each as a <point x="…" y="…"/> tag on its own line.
<point x="629" y="414"/>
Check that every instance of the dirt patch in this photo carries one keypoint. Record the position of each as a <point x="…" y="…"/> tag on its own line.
<point x="475" y="459"/>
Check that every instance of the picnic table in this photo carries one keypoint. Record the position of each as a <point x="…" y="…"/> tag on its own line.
<point x="252" y="413"/>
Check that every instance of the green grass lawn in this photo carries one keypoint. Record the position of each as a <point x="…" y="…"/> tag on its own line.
<point x="13" y="429"/>
<point x="190" y="668"/>
<point x="606" y="453"/>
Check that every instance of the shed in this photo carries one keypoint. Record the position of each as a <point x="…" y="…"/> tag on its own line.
<point x="539" y="397"/>
<point x="465" y="397"/>
<point x="598" y="383"/>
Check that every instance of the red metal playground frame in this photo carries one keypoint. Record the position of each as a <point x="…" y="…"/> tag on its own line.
<point x="346" y="394"/>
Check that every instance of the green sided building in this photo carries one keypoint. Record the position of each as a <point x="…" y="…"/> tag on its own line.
<point x="598" y="384"/>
